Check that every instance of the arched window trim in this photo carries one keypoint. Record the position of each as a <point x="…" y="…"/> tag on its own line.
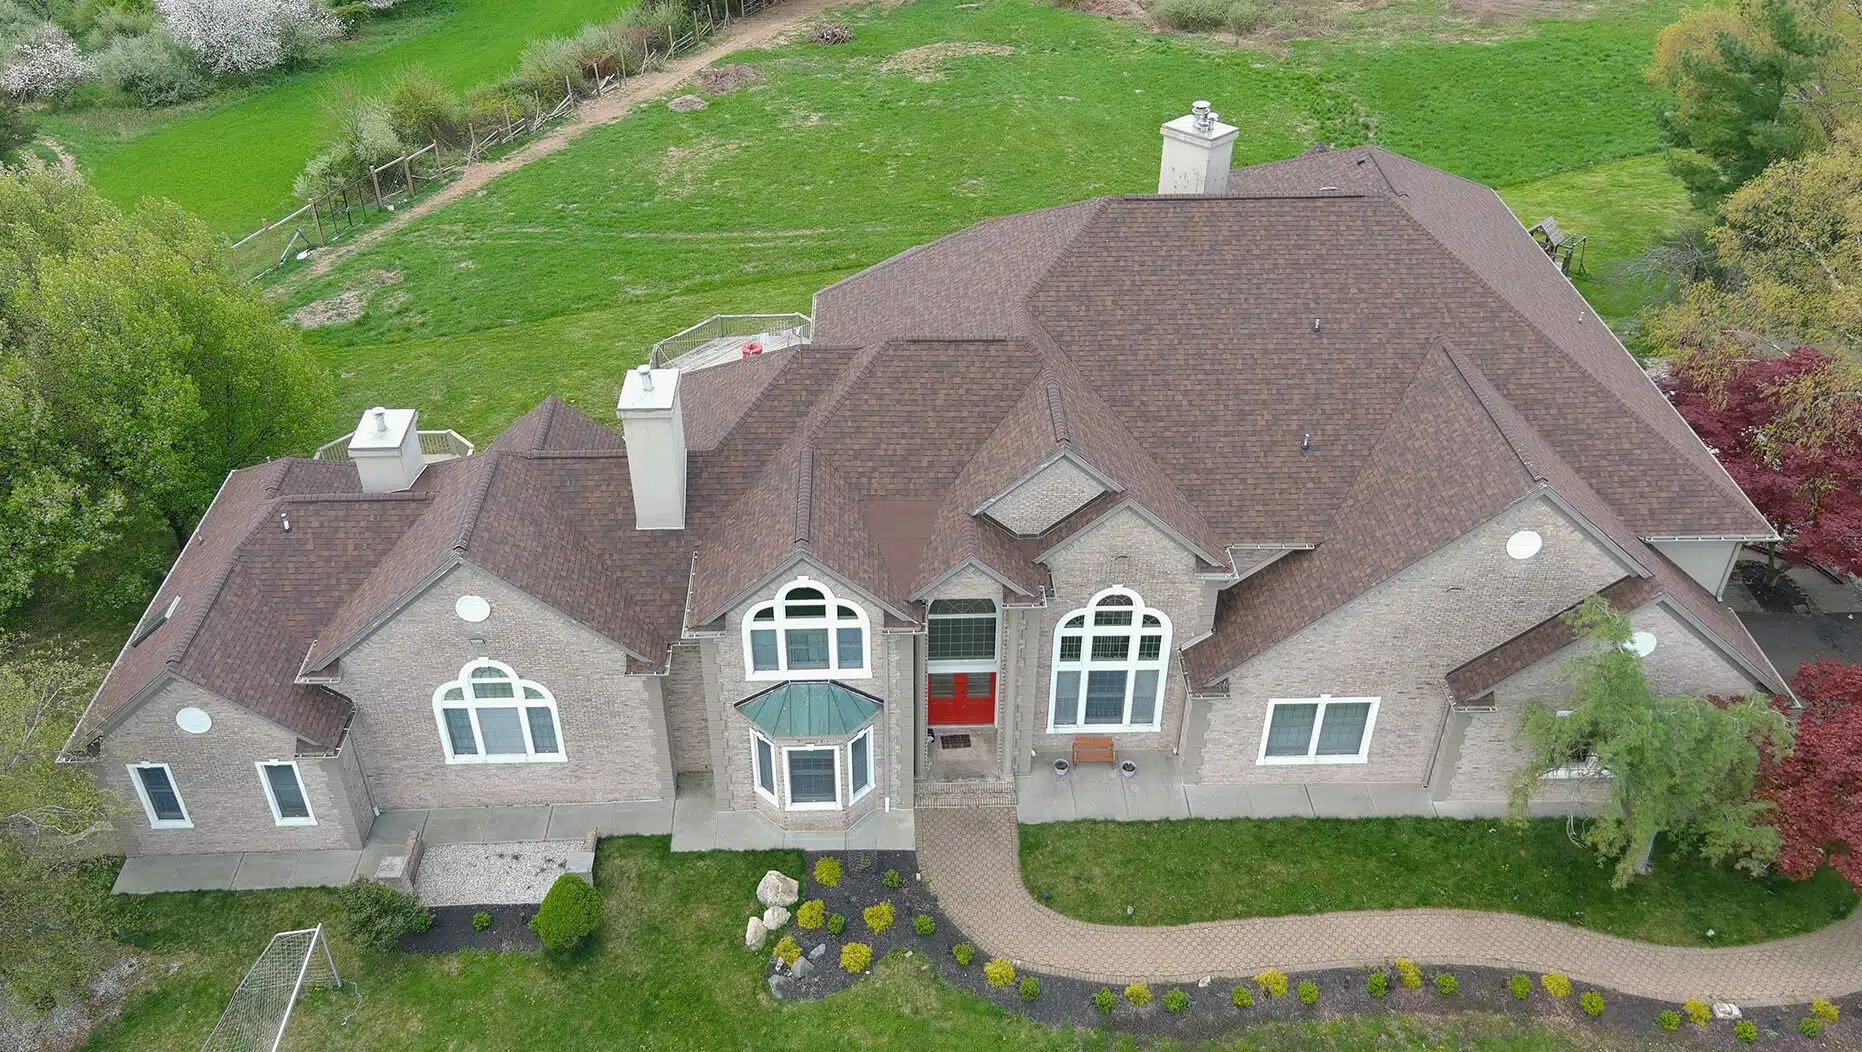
<point x="778" y="619"/>
<point x="522" y="699"/>
<point x="987" y="664"/>
<point x="1083" y="626"/>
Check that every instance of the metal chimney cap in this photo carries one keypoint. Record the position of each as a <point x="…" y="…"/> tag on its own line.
<point x="381" y="419"/>
<point x="1205" y="117"/>
<point x="646" y="376"/>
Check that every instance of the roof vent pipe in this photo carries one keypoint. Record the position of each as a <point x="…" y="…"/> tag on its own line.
<point x="381" y="420"/>
<point x="286" y="519"/>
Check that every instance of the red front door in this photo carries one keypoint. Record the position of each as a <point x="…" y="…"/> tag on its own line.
<point x="962" y="698"/>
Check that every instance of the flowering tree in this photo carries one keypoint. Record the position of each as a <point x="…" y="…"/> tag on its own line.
<point x="246" y="36"/>
<point x="1818" y="788"/>
<point x="48" y="65"/>
<point x="1789" y="431"/>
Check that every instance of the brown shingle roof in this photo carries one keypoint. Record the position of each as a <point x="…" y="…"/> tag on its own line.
<point x="1541" y="641"/>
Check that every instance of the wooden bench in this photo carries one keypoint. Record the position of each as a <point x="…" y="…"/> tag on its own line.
<point x="1094" y="750"/>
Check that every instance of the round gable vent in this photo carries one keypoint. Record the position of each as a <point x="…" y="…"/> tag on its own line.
<point x="1641" y="644"/>
<point x="1524" y="545"/>
<point x="472" y="608"/>
<point x="193" y="720"/>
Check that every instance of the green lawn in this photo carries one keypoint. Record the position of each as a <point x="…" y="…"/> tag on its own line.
<point x="1186" y="871"/>
<point x="667" y="972"/>
<point x="231" y="161"/>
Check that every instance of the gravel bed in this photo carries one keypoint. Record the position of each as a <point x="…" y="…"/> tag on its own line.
<point x="516" y="873"/>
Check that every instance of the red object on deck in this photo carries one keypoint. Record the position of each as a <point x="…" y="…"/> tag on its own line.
<point x="753" y="347"/>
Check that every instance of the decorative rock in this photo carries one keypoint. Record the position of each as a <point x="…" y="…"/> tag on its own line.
<point x="755" y="934"/>
<point x="775" y="917"/>
<point x="775" y="889"/>
<point x="686" y="104"/>
<point x="820" y="948"/>
<point x="1203" y="983"/>
<point x="1725" y="1010"/>
<point x="779" y="986"/>
<point x="802" y="968"/>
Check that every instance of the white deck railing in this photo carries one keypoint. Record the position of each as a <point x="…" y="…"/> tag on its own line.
<point x="773" y="330"/>
<point x="434" y="445"/>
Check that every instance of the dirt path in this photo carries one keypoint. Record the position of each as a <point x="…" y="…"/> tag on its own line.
<point x="759" y="30"/>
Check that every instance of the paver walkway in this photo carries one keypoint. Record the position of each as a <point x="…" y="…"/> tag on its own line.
<point x="971" y="857"/>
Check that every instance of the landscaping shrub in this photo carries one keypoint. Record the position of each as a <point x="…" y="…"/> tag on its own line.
<point x="1700" y="1012"/>
<point x="1377" y="984"/>
<point x="1309" y="992"/>
<point x="923" y="924"/>
<point x="1273" y="984"/>
<point x="855" y="956"/>
<point x="1031" y="988"/>
<point x="811" y="914"/>
<point x="836" y="923"/>
<point x="879" y="916"/>
<point x="1556" y="985"/>
<point x="1520" y="986"/>
<point x="831" y="33"/>
<point x="246" y="36"/>
<point x="1175" y="1000"/>
<point x="1746" y="1031"/>
<point x="151" y="68"/>
<point x="892" y="879"/>
<point x="1445" y="982"/>
<point x="999" y="972"/>
<point x="827" y="871"/>
<point x="481" y="921"/>
<point x="1592" y="1003"/>
<point x="787" y="950"/>
<point x="1242" y="996"/>
<point x="964" y="953"/>
<point x="1408" y="973"/>
<point x="377" y="915"/>
<point x="1138" y="994"/>
<point x="571" y="910"/>
<point x="1104" y="1000"/>
<point x="423" y="922"/>
<point x="1825" y="1011"/>
<point x="1668" y="1019"/>
<point x="1810" y="1026"/>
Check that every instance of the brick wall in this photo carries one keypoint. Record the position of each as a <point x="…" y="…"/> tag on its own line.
<point x="1397" y="642"/>
<point x="613" y="733"/>
<point x="686" y="721"/>
<point x="964" y="584"/>
<point x="219" y="787"/>
<point x="1044" y="499"/>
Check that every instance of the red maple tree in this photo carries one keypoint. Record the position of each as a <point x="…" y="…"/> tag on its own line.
<point x="1818" y="788"/>
<point x="1789" y="431"/>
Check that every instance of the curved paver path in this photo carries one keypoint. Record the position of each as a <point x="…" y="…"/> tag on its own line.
<point x="971" y="857"/>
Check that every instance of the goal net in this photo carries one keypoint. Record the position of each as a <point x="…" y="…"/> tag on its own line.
<point x="255" y="1018"/>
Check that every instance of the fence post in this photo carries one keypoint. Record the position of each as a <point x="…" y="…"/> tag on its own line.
<point x="375" y="177"/>
<point x="315" y="219"/>
<point x="407" y="176"/>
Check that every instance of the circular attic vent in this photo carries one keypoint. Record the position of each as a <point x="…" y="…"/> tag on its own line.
<point x="472" y="608"/>
<point x="193" y="720"/>
<point x="1641" y="644"/>
<point x="1524" y="545"/>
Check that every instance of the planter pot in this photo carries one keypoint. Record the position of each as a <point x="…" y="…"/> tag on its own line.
<point x="1061" y="767"/>
<point x="1127" y="768"/>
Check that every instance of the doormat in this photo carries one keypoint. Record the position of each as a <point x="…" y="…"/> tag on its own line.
<point x="954" y="741"/>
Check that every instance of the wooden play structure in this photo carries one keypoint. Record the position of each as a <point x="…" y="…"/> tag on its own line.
<point x="1566" y="249"/>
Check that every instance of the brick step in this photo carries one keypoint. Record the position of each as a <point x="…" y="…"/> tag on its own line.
<point x="965" y="794"/>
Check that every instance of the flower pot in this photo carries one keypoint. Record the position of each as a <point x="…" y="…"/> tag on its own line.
<point x="1061" y="767"/>
<point x="1127" y="768"/>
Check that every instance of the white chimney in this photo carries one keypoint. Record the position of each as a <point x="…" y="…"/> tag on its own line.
<point x="649" y="412"/>
<point x="1196" y="153"/>
<point x="386" y="449"/>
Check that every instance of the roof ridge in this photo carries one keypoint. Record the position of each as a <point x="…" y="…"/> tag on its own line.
<point x="283" y="465"/>
<point x="1482" y="391"/>
<point x="549" y="420"/>
<point x="1057" y="409"/>
<point x="804" y="493"/>
<point x="335" y="496"/>
<point x="1371" y="152"/>
<point x="475" y="502"/>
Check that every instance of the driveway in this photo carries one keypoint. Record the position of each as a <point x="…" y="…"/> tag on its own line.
<point x="1791" y="640"/>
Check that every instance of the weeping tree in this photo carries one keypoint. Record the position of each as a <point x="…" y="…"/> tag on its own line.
<point x="1681" y="765"/>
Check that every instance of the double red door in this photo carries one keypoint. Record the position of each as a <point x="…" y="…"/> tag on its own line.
<point x="966" y="698"/>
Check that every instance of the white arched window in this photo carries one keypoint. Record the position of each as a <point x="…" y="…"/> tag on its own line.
<point x="489" y="715"/>
<point x="806" y="633"/>
<point x="1109" y="664"/>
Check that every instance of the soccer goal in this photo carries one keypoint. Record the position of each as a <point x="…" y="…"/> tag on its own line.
<point x="255" y="1018"/>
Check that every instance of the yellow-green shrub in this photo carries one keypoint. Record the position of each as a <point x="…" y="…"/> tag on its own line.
<point x="855" y="956"/>
<point x="1556" y="985"/>
<point x="879" y="917"/>
<point x="1138" y="994"/>
<point x="812" y="914"/>
<point x="1273" y="984"/>
<point x="827" y="871"/>
<point x="999" y="972"/>
<point x="1699" y="1012"/>
<point x="1409" y="974"/>
<point x="1825" y="1011"/>
<point x="786" y="951"/>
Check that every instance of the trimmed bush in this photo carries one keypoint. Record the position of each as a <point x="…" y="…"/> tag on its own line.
<point x="879" y="916"/>
<point x="787" y="950"/>
<point x="964" y="953"/>
<point x="1309" y="992"/>
<point x="999" y="972"/>
<point x="827" y="871"/>
<point x="1825" y="1011"/>
<point x="811" y="914"/>
<point x="1242" y="996"/>
<point x="836" y="924"/>
<point x="1520" y="986"/>
<point x="1445" y="982"/>
<point x="923" y="924"/>
<point x="1592" y="1003"/>
<point x="570" y="911"/>
<point x="1668" y="1019"/>
<point x="1810" y="1026"/>
<point x="892" y="879"/>
<point x="1104" y="1000"/>
<point x="423" y="923"/>
<point x="1273" y="984"/>
<point x="1030" y="988"/>
<point x="1408" y="973"/>
<point x="1377" y="983"/>
<point x="1138" y="994"/>
<point x="1746" y="1031"/>
<point x="481" y="921"/>
<point x="1175" y="1000"/>
<point x="377" y="915"/>
<point x="1556" y="985"/>
<point x="1700" y="1012"/>
<point x="855" y="956"/>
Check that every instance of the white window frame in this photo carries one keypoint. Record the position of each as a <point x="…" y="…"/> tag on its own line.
<point x="781" y="624"/>
<point x="186" y="821"/>
<point x="1592" y="767"/>
<point x="1131" y="664"/>
<point x="756" y="769"/>
<point x="471" y="705"/>
<point x="788" y="795"/>
<point x="271" y="797"/>
<point x="871" y="766"/>
<point x="1324" y="701"/>
<point x="964" y="664"/>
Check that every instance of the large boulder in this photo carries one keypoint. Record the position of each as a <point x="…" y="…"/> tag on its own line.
<point x="774" y="918"/>
<point x="755" y="934"/>
<point x="777" y="890"/>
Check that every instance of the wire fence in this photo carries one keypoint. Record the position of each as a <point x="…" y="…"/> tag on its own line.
<point x="258" y="1012"/>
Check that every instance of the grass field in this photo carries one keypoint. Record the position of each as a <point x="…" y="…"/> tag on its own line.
<point x="231" y="160"/>
<point x="667" y="972"/>
<point x="1211" y="870"/>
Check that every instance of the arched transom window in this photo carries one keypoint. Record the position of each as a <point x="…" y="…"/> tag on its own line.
<point x="806" y="633"/>
<point x="1109" y="664"/>
<point x="489" y="715"/>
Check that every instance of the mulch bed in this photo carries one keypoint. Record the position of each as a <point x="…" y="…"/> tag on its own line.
<point x="1211" y="1012"/>
<point x="452" y="930"/>
<point x="1784" y="597"/>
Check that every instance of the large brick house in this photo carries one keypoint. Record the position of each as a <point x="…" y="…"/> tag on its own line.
<point x="1280" y="479"/>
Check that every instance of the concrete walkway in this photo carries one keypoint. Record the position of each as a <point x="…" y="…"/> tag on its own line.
<point x="971" y="857"/>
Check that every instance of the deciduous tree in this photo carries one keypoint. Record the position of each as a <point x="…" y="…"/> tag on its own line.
<point x="1817" y="790"/>
<point x="16" y="132"/>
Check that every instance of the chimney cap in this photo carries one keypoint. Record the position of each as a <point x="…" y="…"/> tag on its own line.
<point x="383" y="428"/>
<point x="647" y="389"/>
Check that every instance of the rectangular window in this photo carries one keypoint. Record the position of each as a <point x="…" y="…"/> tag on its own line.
<point x="1150" y="648"/>
<point x="542" y="729"/>
<point x="1070" y="648"/>
<point x="860" y="765"/>
<point x="155" y="784"/>
<point x="284" y="790"/>
<point x="502" y="733"/>
<point x="943" y="684"/>
<point x="765" y="768"/>
<point x="962" y="638"/>
<point x="1066" y="699"/>
<point x="1144" y="698"/>
<point x="763" y="653"/>
<point x="808" y="648"/>
<point x="1111" y="648"/>
<point x="459" y="730"/>
<point x="1318" y="730"/>
<point x="979" y="685"/>
<point x="1105" y="697"/>
<point x="813" y="779"/>
<point x="852" y="649"/>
